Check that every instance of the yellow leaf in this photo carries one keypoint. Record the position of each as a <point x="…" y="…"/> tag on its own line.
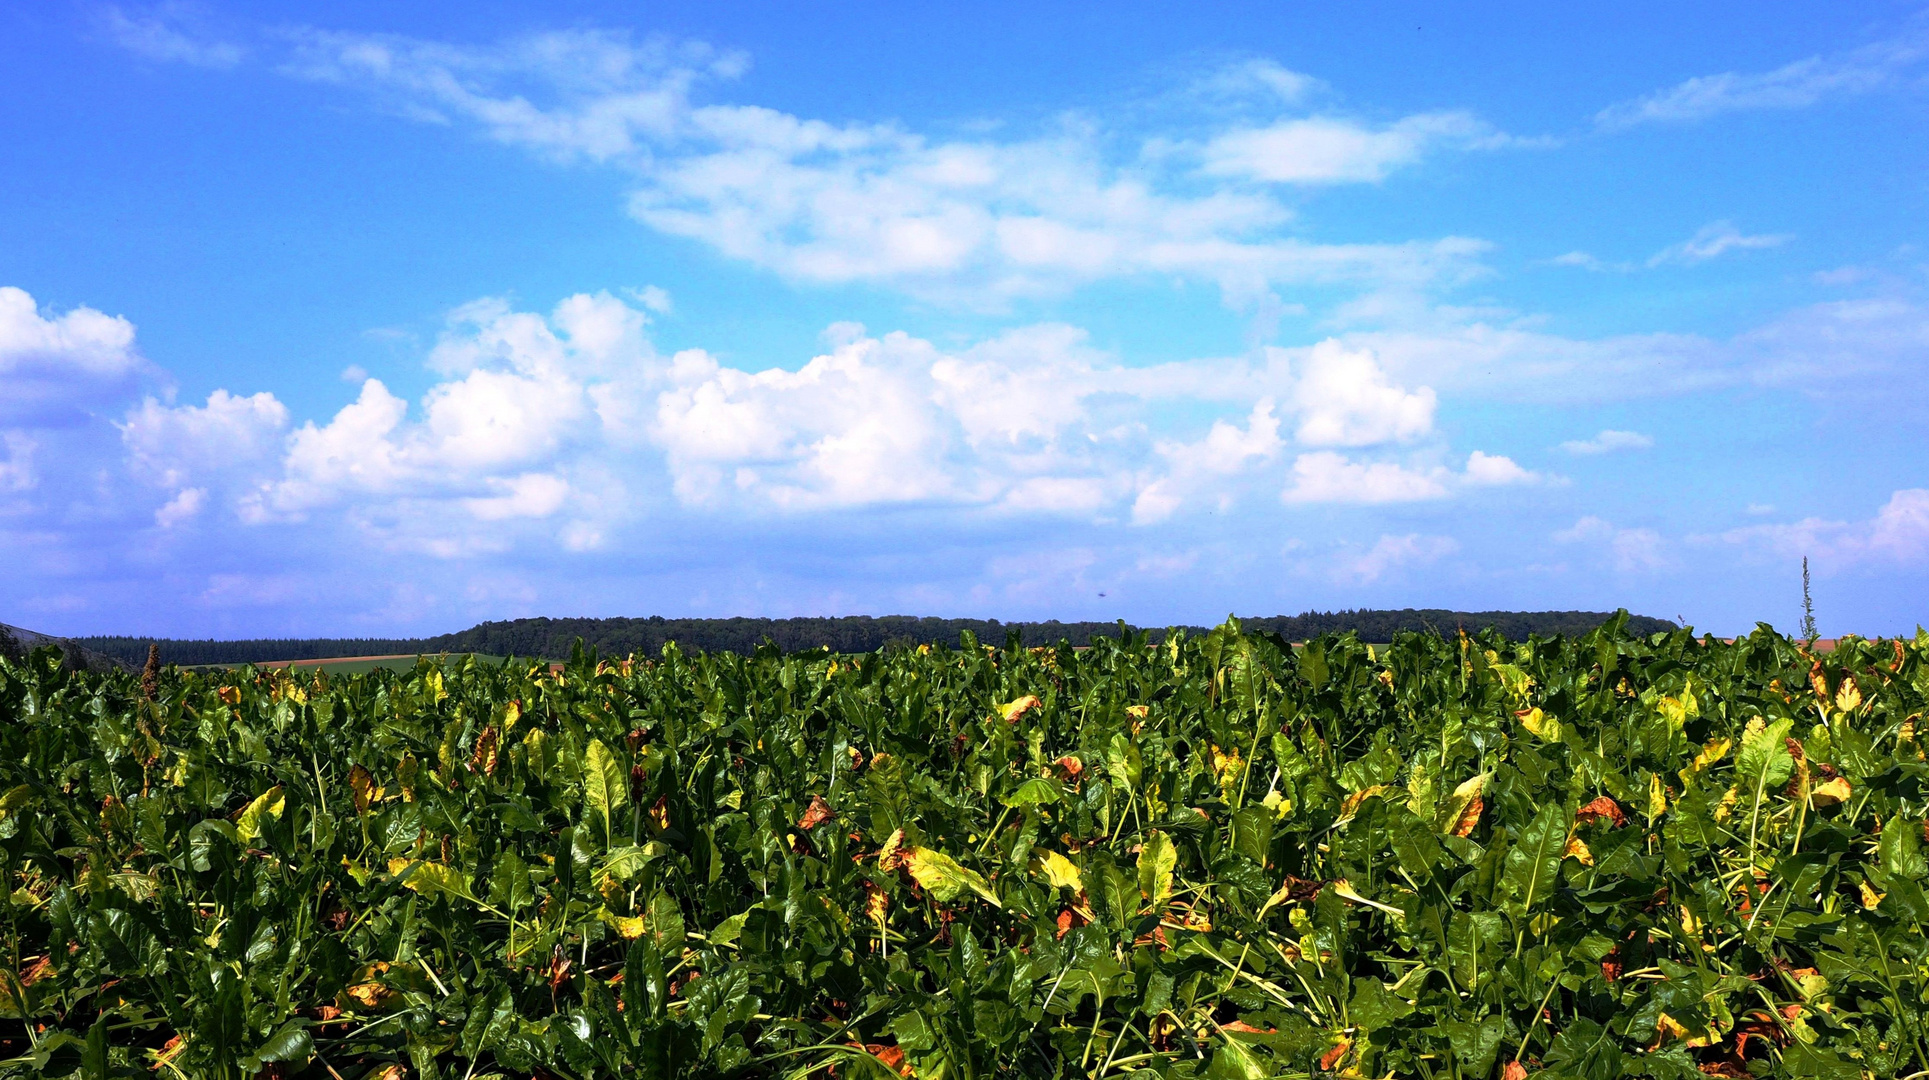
<point x="1011" y="711"/>
<point x="1345" y="891"/>
<point x="510" y="714"/>
<point x="268" y="802"/>
<point x="1727" y="808"/>
<point x="1057" y="870"/>
<point x="630" y="927"/>
<point x="14" y="799"/>
<point x="1832" y="792"/>
<point x="1543" y="726"/>
<point x="943" y="878"/>
<point x="1657" y="796"/>
<point x="1351" y="805"/>
<point x="1870" y="898"/>
<point x="1690" y="923"/>
<point x="363" y="786"/>
<point x="429" y="878"/>
<point x="1576" y="849"/>
<point x="1137" y="712"/>
<point x="1711" y="753"/>
<point x="1848" y="697"/>
<point x="1461" y="812"/>
<point x="889" y="857"/>
<point x="1665" y="1025"/>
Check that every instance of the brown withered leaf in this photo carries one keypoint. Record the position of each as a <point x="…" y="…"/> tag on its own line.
<point x="1602" y="809"/>
<point x="484" y="758"/>
<point x="816" y="814"/>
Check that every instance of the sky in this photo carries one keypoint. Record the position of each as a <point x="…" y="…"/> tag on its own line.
<point x="367" y="319"/>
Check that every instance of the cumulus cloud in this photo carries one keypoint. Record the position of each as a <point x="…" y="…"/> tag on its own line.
<point x="1346" y="399"/>
<point x="1897" y="534"/>
<point x="1629" y="550"/>
<point x="1608" y="442"/>
<point x="1792" y="86"/>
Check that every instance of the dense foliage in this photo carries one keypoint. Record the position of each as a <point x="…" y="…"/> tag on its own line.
<point x="851" y="634"/>
<point x="1216" y="856"/>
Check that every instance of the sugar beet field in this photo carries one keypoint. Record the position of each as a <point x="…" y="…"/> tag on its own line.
<point x="1214" y="856"/>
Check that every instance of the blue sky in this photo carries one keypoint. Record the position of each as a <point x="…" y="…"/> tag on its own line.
<point x="334" y="319"/>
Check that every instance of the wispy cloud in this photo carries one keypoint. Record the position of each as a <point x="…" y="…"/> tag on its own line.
<point x="1897" y="534"/>
<point x="1791" y="86"/>
<point x="172" y="33"/>
<point x="1712" y="241"/>
<point x="978" y="220"/>
<point x="1608" y="441"/>
<point x="1628" y="550"/>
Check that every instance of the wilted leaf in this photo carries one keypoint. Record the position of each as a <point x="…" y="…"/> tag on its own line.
<point x="1012" y="710"/>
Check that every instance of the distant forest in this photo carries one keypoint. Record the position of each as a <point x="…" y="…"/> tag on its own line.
<point x="553" y="638"/>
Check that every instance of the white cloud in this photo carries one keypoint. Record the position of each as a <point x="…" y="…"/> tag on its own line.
<point x="1326" y="150"/>
<point x="1792" y="86"/>
<point x="531" y="495"/>
<point x="1898" y="533"/>
<point x="1346" y="399"/>
<point x="1391" y="553"/>
<point x="185" y="506"/>
<point x="168" y="443"/>
<point x="1840" y="345"/>
<point x="1609" y="441"/>
<point x="1714" y="240"/>
<point x="1629" y="550"/>
<point x="1225" y="451"/>
<point x="1328" y="477"/>
<point x="1495" y="470"/>
<point x="977" y="220"/>
<point x="83" y="341"/>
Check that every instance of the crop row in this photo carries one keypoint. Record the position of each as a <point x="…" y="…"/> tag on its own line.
<point x="1217" y="856"/>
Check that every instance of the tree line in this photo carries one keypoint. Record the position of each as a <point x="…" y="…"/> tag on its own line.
<point x="553" y="638"/>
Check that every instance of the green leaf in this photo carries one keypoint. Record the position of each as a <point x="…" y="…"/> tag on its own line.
<point x="1901" y="848"/>
<point x="1763" y="762"/>
<point x="1157" y="858"/>
<point x="1034" y="792"/>
<point x="1534" y="863"/>
<point x="625" y="862"/>
<point x="1373" y="1007"/>
<point x="604" y="788"/>
<point x="942" y="877"/>
<point x="509" y="885"/>
<point x="290" y="1042"/>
